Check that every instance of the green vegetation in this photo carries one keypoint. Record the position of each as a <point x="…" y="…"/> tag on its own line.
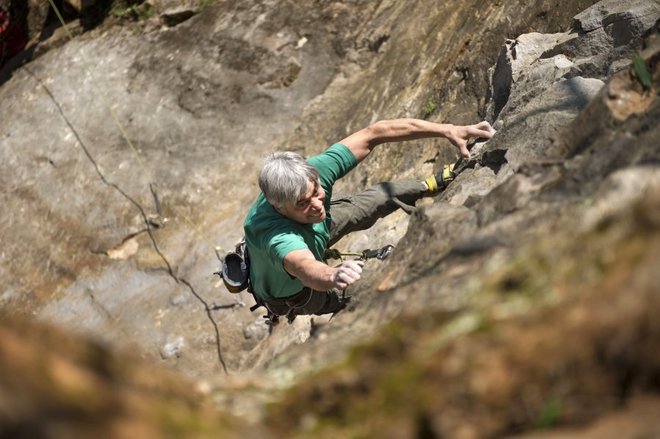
<point x="642" y="72"/>
<point x="429" y="108"/>
<point x="292" y="72"/>
<point x="132" y="11"/>
<point x="550" y="414"/>
<point x="204" y="3"/>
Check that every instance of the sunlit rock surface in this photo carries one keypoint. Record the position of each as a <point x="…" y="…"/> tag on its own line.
<point x="520" y="298"/>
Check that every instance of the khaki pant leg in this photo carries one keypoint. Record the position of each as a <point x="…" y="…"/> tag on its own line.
<point x="362" y="210"/>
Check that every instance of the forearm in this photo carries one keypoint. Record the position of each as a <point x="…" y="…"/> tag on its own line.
<point x="398" y="130"/>
<point x="363" y="142"/>
<point x="312" y="273"/>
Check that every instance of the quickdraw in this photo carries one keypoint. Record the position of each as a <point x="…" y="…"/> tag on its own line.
<point x="379" y="253"/>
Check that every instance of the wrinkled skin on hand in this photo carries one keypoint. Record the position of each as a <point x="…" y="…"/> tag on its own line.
<point x="347" y="273"/>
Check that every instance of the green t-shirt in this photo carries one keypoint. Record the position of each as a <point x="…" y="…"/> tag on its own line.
<point x="270" y="236"/>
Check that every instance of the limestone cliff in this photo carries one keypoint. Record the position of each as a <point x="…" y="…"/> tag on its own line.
<point x="520" y="298"/>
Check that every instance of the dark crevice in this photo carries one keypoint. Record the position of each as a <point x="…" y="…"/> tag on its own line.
<point x="99" y="307"/>
<point x="123" y="241"/>
<point x="494" y="159"/>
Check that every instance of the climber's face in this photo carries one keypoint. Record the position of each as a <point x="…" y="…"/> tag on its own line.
<point x="309" y="208"/>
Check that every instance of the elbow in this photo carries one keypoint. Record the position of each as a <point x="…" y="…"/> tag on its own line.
<point x="377" y="133"/>
<point x="378" y="129"/>
<point x="392" y="130"/>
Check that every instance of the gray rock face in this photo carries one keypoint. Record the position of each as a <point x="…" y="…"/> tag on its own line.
<point x="606" y="33"/>
<point x="105" y="233"/>
<point x="113" y="234"/>
<point x="521" y="185"/>
<point x="541" y="82"/>
<point x="173" y="347"/>
<point x="629" y="17"/>
<point x="103" y="226"/>
<point x="257" y="330"/>
<point x="602" y="35"/>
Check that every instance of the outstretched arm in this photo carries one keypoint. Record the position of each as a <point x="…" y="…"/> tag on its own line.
<point x="364" y="141"/>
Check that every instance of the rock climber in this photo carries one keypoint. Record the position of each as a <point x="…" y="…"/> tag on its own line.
<point x="293" y="220"/>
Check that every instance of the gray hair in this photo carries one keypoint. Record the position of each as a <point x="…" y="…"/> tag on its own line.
<point x="284" y="177"/>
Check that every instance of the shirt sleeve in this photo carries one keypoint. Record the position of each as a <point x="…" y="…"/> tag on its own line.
<point x="333" y="164"/>
<point x="281" y="244"/>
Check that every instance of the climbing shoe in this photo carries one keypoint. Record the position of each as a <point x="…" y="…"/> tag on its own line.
<point x="441" y="179"/>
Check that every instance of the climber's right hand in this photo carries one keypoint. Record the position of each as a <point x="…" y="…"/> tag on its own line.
<point x="347" y="273"/>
